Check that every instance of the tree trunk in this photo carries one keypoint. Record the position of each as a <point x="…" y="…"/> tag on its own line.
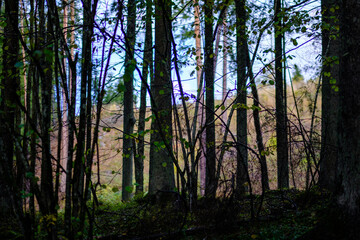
<point x="210" y="185"/>
<point x="65" y="128"/>
<point x="10" y="83"/>
<point x="224" y="77"/>
<point x="79" y="164"/>
<point x="241" y="112"/>
<point x="69" y="164"/>
<point x="47" y="188"/>
<point x="200" y="117"/>
<point x="281" y="130"/>
<point x="129" y="120"/>
<point x="348" y="166"/>
<point x="257" y="124"/>
<point x="148" y="63"/>
<point x="330" y="98"/>
<point x="34" y="90"/>
<point x="161" y="164"/>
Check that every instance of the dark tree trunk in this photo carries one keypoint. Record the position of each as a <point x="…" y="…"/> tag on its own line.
<point x="281" y="130"/>
<point x="10" y="81"/>
<point x="161" y="163"/>
<point x="129" y="120"/>
<point x="9" y="118"/>
<point x="79" y="169"/>
<point x="148" y="64"/>
<point x="47" y="188"/>
<point x="90" y="13"/>
<point x="348" y="166"/>
<point x="69" y="163"/>
<point x="241" y="112"/>
<point x="257" y="124"/>
<point x="330" y="98"/>
<point x="210" y="154"/>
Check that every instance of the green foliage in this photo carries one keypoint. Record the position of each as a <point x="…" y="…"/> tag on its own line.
<point x="114" y="94"/>
<point x="288" y="228"/>
<point x="110" y="196"/>
<point x="138" y="217"/>
<point x="297" y="76"/>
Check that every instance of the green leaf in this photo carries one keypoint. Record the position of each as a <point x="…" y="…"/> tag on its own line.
<point x="129" y="189"/>
<point x="161" y="92"/>
<point x="164" y="164"/>
<point x="293" y="40"/>
<point x="335" y="88"/>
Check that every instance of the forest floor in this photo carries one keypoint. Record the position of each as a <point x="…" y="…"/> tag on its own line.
<point x="277" y="215"/>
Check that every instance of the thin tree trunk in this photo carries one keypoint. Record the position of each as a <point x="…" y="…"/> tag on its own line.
<point x="330" y="98"/>
<point x="210" y="190"/>
<point x="241" y="115"/>
<point x="79" y="165"/>
<point x="47" y="188"/>
<point x="33" y="86"/>
<point x="147" y="64"/>
<point x="70" y="129"/>
<point x="259" y="137"/>
<point x="65" y="128"/>
<point x="129" y="120"/>
<point x="60" y="128"/>
<point x="281" y="129"/>
<point x="224" y="77"/>
<point x="200" y="117"/>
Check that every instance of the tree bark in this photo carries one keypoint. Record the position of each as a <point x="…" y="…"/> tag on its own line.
<point x="241" y="112"/>
<point x="65" y="128"/>
<point x="210" y="185"/>
<point x="47" y="188"/>
<point x="161" y="164"/>
<point x="281" y="129"/>
<point x="200" y="117"/>
<point x="330" y="98"/>
<point x="129" y="120"/>
<point x="147" y="64"/>
<point x="10" y="83"/>
<point x="224" y="77"/>
<point x="259" y="137"/>
<point x="348" y="165"/>
<point x="78" y="177"/>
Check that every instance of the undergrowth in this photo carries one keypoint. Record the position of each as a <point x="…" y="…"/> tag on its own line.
<point x="279" y="215"/>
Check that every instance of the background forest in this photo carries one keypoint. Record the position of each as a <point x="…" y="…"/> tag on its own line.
<point x="179" y="119"/>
